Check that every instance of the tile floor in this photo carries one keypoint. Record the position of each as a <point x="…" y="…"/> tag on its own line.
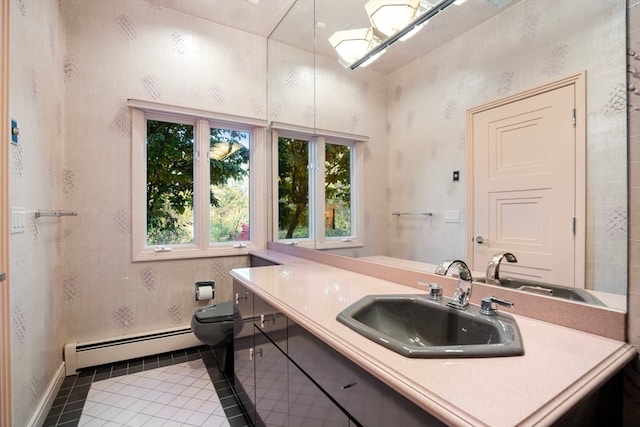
<point x="183" y="388"/>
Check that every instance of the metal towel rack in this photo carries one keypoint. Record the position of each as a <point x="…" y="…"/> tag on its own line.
<point x="58" y="214"/>
<point x="412" y="213"/>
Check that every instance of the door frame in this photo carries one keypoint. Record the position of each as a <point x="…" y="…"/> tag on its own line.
<point x="5" y="317"/>
<point x="577" y="80"/>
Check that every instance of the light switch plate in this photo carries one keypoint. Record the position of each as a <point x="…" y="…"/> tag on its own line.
<point x="14" y="132"/>
<point x="452" y="216"/>
<point x="18" y="220"/>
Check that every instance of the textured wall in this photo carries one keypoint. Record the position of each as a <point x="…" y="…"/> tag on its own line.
<point x="316" y="91"/>
<point x="35" y="182"/>
<point x="632" y="372"/>
<point x="356" y="102"/>
<point x="142" y="52"/>
<point x="148" y="52"/>
<point x="75" y="154"/>
<point x="537" y="42"/>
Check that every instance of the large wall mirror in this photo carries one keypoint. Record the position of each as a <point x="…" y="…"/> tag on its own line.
<point x="413" y="101"/>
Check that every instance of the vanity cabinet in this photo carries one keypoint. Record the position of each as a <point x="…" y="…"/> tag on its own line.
<point x="243" y="347"/>
<point x="271" y="381"/>
<point x="298" y="380"/>
<point x="272" y="390"/>
<point x="367" y="399"/>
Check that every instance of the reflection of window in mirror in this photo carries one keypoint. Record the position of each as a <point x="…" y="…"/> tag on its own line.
<point x="337" y="189"/>
<point x="316" y="182"/>
<point x="293" y="188"/>
<point x="330" y="217"/>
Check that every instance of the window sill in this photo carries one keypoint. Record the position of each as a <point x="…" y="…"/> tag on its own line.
<point x="189" y="253"/>
<point x="339" y="244"/>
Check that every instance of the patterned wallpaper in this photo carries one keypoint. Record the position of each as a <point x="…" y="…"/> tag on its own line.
<point x="147" y="52"/>
<point x="428" y="103"/>
<point x="35" y="175"/>
<point x="69" y="96"/>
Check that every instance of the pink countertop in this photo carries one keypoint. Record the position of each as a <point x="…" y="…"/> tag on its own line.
<point x="560" y="365"/>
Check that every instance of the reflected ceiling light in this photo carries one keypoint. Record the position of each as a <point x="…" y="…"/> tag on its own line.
<point x="390" y="16"/>
<point x="222" y="150"/>
<point x="365" y="45"/>
<point x="352" y="45"/>
<point x="373" y="58"/>
<point x="413" y="31"/>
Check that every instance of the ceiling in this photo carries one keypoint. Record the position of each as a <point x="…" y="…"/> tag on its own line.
<point x="300" y="22"/>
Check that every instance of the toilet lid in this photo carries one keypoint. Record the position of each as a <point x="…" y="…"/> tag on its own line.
<point x="215" y="313"/>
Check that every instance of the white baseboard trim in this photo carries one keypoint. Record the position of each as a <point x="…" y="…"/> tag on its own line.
<point x="38" y="417"/>
<point x="94" y="353"/>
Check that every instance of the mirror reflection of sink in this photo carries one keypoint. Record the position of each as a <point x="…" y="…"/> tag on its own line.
<point x="417" y="327"/>
<point x="540" y="288"/>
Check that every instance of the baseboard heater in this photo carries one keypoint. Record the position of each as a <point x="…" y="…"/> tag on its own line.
<point x="94" y="353"/>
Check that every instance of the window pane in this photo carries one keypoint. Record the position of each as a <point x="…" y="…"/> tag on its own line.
<point x="293" y="188"/>
<point x="229" y="185"/>
<point x="169" y="183"/>
<point x="337" y="187"/>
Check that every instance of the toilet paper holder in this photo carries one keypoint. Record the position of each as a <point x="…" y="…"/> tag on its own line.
<point x="205" y="290"/>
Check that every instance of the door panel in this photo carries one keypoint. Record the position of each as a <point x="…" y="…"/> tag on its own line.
<point x="524" y="186"/>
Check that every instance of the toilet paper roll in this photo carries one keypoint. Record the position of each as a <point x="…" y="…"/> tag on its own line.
<point x="204" y="293"/>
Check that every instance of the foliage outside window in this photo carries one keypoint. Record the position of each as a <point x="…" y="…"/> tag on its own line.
<point x="229" y="178"/>
<point x="170" y="184"/>
<point x="170" y="175"/>
<point x="293" y="188"/>
<point x="193" y="187"/>
<point x="337" y="190"/>
<point x="315" y="198"/>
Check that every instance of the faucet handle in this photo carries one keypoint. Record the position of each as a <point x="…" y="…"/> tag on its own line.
<point x="435" y="291"/>
<point x="487" y="307"/>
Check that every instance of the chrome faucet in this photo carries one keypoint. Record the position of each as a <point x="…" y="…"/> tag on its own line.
<point x="460" y="299"/>
<point x="493" y="268"/>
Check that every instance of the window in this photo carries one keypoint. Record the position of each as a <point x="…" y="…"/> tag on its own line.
<point x="317" y="185"/>
<point x="195" y="177"/>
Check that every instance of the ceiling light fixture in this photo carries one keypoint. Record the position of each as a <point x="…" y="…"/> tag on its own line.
<point x="352" y="45"/>
<point x="403" y="33"/>
<point x="391" y="16"/>
<point x="415" y="30"/>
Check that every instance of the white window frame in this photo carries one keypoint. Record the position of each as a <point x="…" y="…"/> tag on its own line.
<point x="317" y="140"/>
<point x="203" y="121"/>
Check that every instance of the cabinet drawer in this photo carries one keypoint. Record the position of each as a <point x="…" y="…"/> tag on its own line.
<point x="243" y="311"/>
<point x="269" y="321"/>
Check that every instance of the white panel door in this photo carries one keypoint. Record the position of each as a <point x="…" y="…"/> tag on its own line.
<point x="524" y="177"/>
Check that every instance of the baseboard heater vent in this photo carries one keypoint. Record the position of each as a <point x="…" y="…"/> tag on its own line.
<point x="94" y="353"/>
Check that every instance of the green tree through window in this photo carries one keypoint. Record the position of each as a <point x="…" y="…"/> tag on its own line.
<point x="293" y="189"/>
<point x="229" y="178"/>
<point x="337" y="190"/>
<point x="170" y="183"/>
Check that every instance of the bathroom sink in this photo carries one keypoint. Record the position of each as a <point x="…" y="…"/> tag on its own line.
<point x="417" y="327"/>
<point x="540" y="288"/>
